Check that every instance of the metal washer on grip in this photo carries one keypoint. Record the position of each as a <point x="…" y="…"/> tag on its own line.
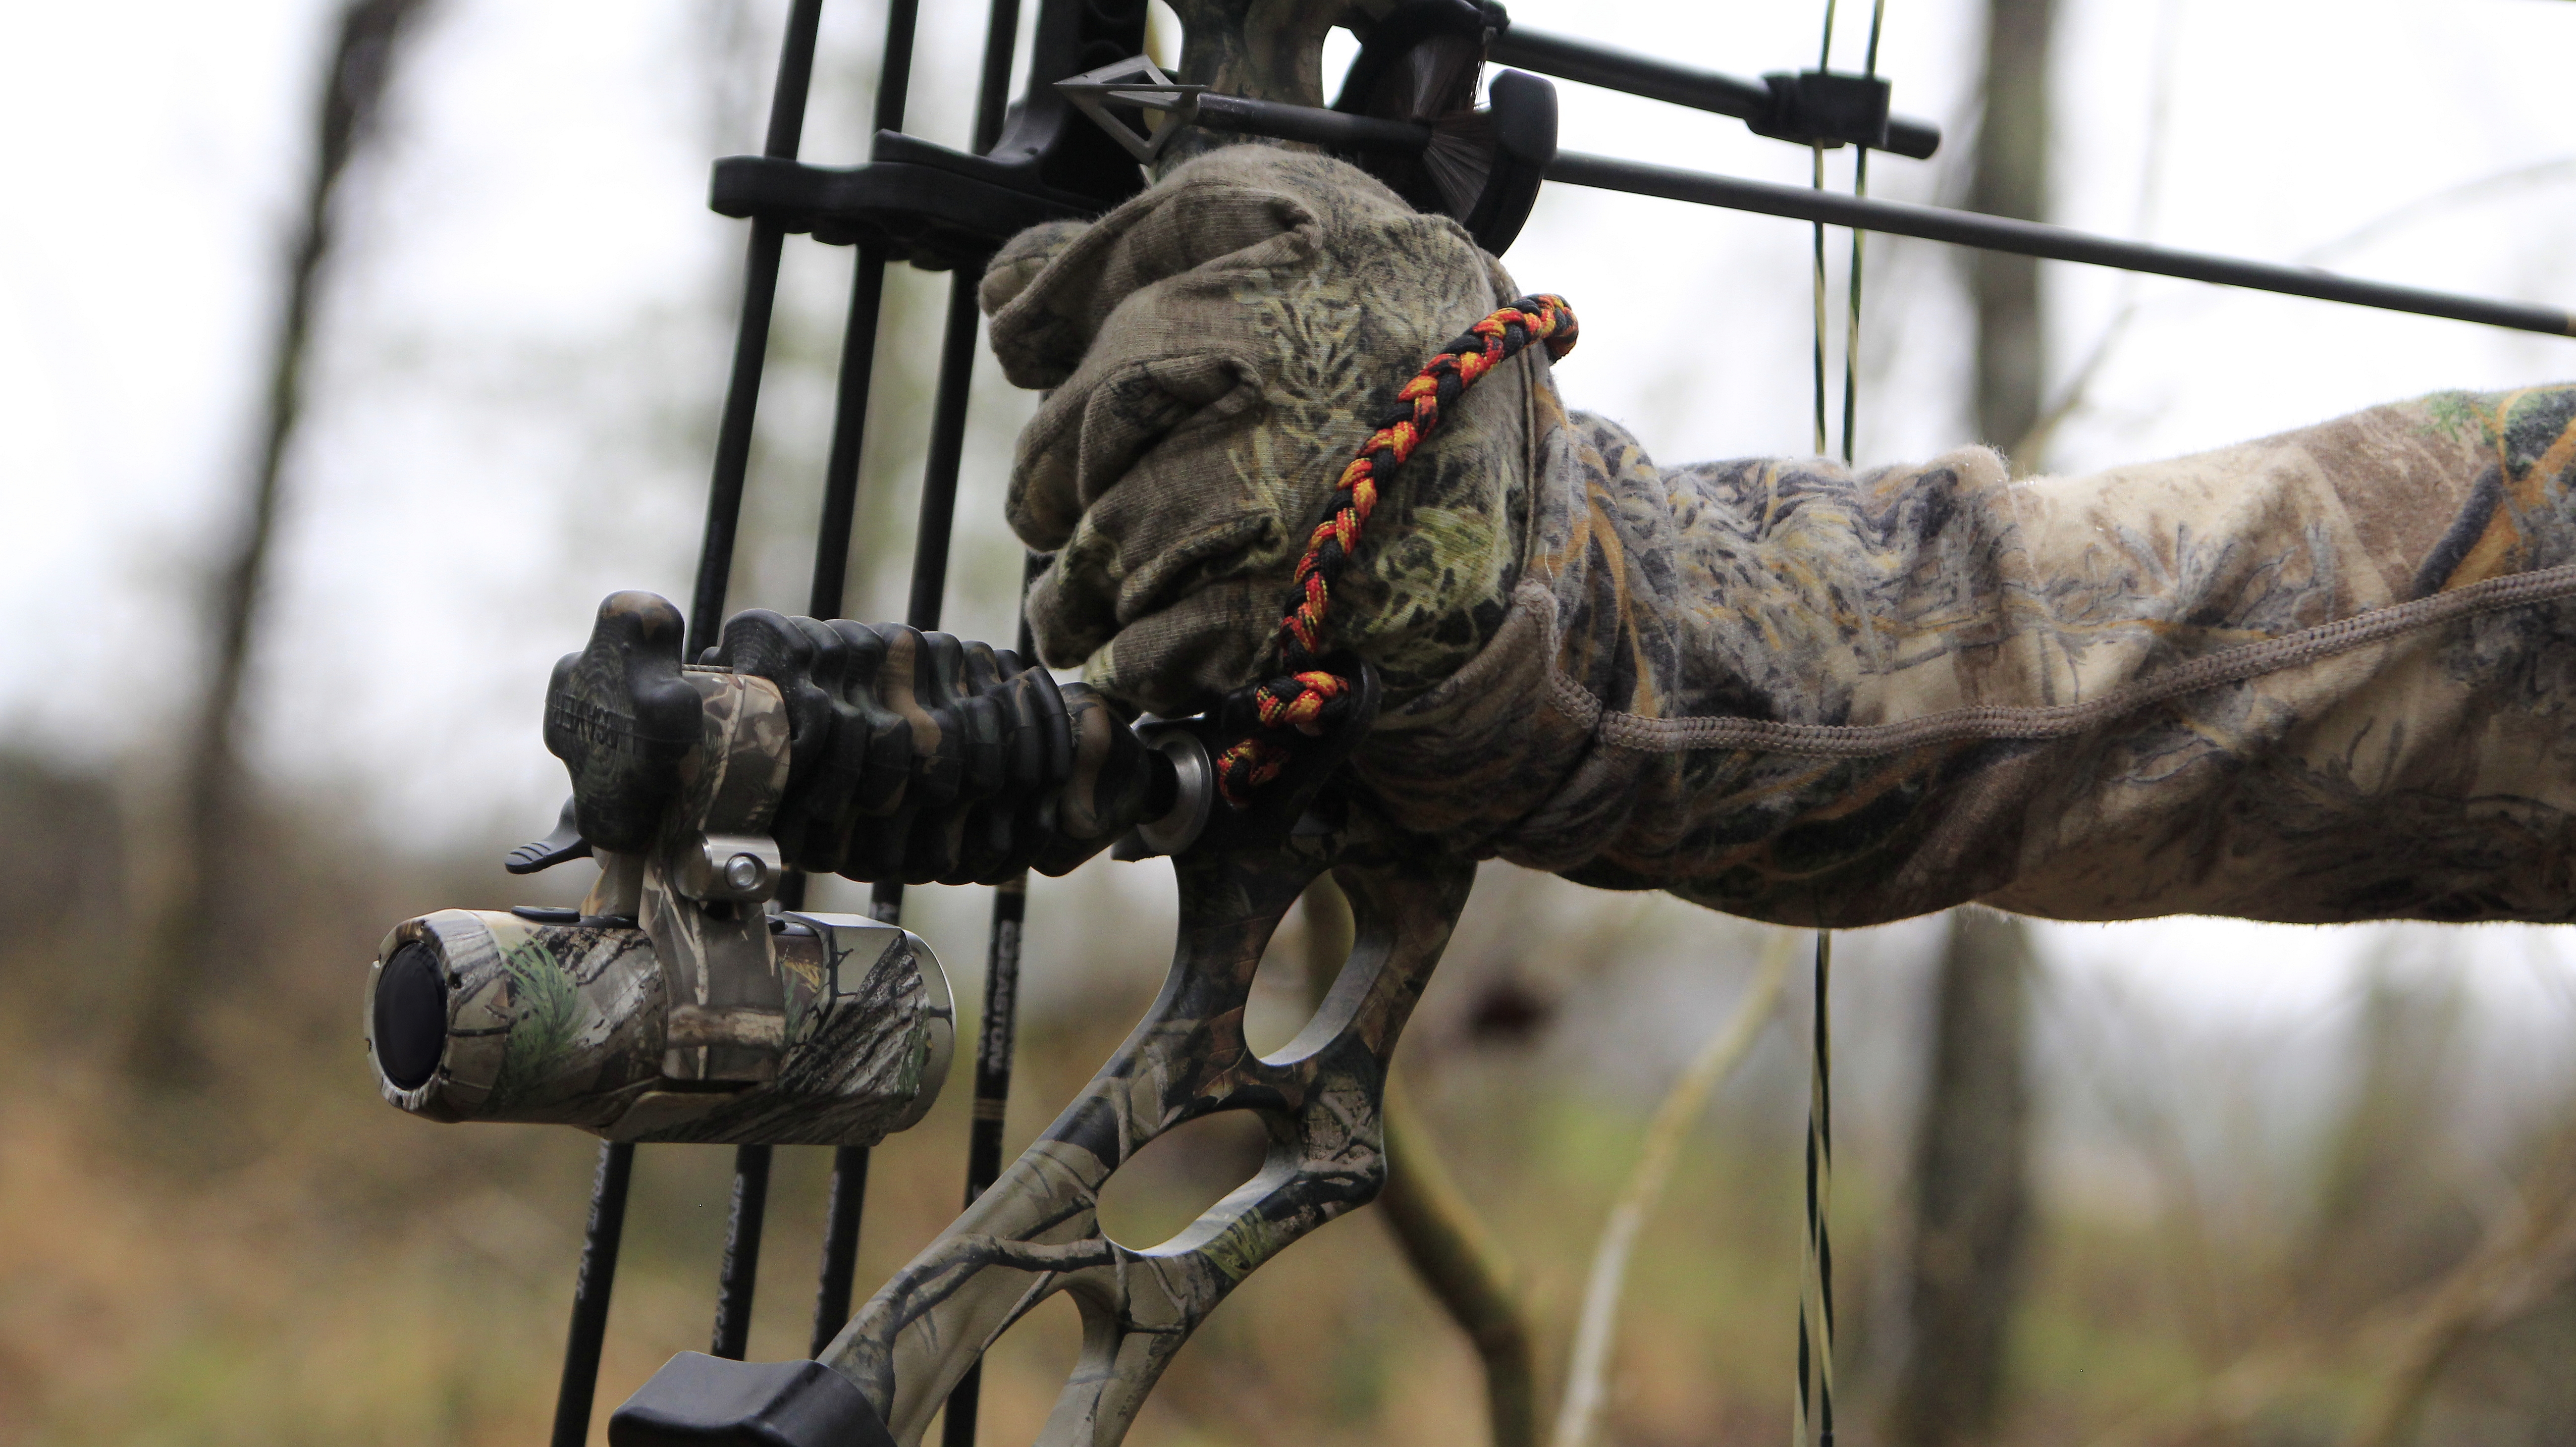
<point x="1188" y="819"/>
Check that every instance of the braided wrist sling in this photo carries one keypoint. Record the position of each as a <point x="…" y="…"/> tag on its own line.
<point x="1302" y="694"/>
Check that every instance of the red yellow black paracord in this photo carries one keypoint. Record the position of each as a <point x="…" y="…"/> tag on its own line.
<point x="1303" y="695"/>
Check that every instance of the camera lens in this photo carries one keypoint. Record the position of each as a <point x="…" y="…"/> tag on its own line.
<point x="411" y="1016"/>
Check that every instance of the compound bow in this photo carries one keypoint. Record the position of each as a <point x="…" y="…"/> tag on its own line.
<point x="736" y="1003"/>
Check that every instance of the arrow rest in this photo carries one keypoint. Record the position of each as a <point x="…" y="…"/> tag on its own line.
<point x="1407" y="116"/>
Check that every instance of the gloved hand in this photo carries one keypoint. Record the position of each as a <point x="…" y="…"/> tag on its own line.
<point x="1215" y="348"/>
<point x="2324" y="676"/>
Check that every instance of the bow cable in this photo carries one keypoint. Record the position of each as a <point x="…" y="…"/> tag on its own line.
<point x="845" y="1199"/>
<point x="1812" y="1413"/>
<point x="1859" y="238"/>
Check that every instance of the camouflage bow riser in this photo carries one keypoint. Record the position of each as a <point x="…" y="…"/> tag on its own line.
<point x="1036" y="1232"/>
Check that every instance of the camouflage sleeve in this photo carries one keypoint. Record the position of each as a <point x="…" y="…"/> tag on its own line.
<point x="2317" y="677"/>
<point x="2320" y="677"/>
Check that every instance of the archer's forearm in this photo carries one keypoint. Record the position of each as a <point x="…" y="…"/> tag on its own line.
<point x="2319" y="677"/>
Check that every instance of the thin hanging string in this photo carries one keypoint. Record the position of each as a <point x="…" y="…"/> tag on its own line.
<point x="1851" y="319"/>
<point x="1812" y="1414"/>
<point x="1811" y="1417"/>
<point x="1816" y="1287"/>
<point x="1825" y="60"/>
<point x="1822" y="443"/>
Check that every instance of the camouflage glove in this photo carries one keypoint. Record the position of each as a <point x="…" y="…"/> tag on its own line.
<point x="1215" y="347"/>
<point x="2320" y="677"/>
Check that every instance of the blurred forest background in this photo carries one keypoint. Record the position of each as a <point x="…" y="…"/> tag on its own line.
<point x="2179" y="1182"/>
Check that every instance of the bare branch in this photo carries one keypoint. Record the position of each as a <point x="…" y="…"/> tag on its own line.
<point x="1681" y="1107"/>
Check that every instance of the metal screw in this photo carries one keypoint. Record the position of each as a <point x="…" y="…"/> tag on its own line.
<point x="743" y="871"/>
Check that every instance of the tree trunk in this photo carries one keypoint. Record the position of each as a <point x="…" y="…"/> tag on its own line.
<point x="2011" y="179"/>
<point x="198" y="934"/>
<point x="1971" y="1189"/>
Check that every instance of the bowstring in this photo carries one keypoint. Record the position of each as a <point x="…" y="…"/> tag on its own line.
<point x="1812" y="1412"/>
<point x="1859" y="238"/>
<point x="1816" y="1286"/>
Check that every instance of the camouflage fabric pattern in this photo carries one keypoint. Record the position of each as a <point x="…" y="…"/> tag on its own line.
<point x="728" y="999"/>
<point x="2319" y="677"/>
<point x="2323" y="676"/>
<point x="1212" y="347"/>
<point x="673" y="1007"/>
<point x="568" y="1024"/>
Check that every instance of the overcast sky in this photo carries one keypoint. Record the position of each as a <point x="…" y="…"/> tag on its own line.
<point x="524" y="335"/>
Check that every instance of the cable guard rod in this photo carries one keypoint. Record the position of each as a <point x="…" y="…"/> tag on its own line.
<point x="1827" y="107"/>
<point x="2032" y="238"/>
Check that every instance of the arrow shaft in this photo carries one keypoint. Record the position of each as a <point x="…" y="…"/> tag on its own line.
<point x="1334" y="130"/>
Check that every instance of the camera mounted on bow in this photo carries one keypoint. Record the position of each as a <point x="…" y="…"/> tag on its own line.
<point x="679" y="1003"/>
